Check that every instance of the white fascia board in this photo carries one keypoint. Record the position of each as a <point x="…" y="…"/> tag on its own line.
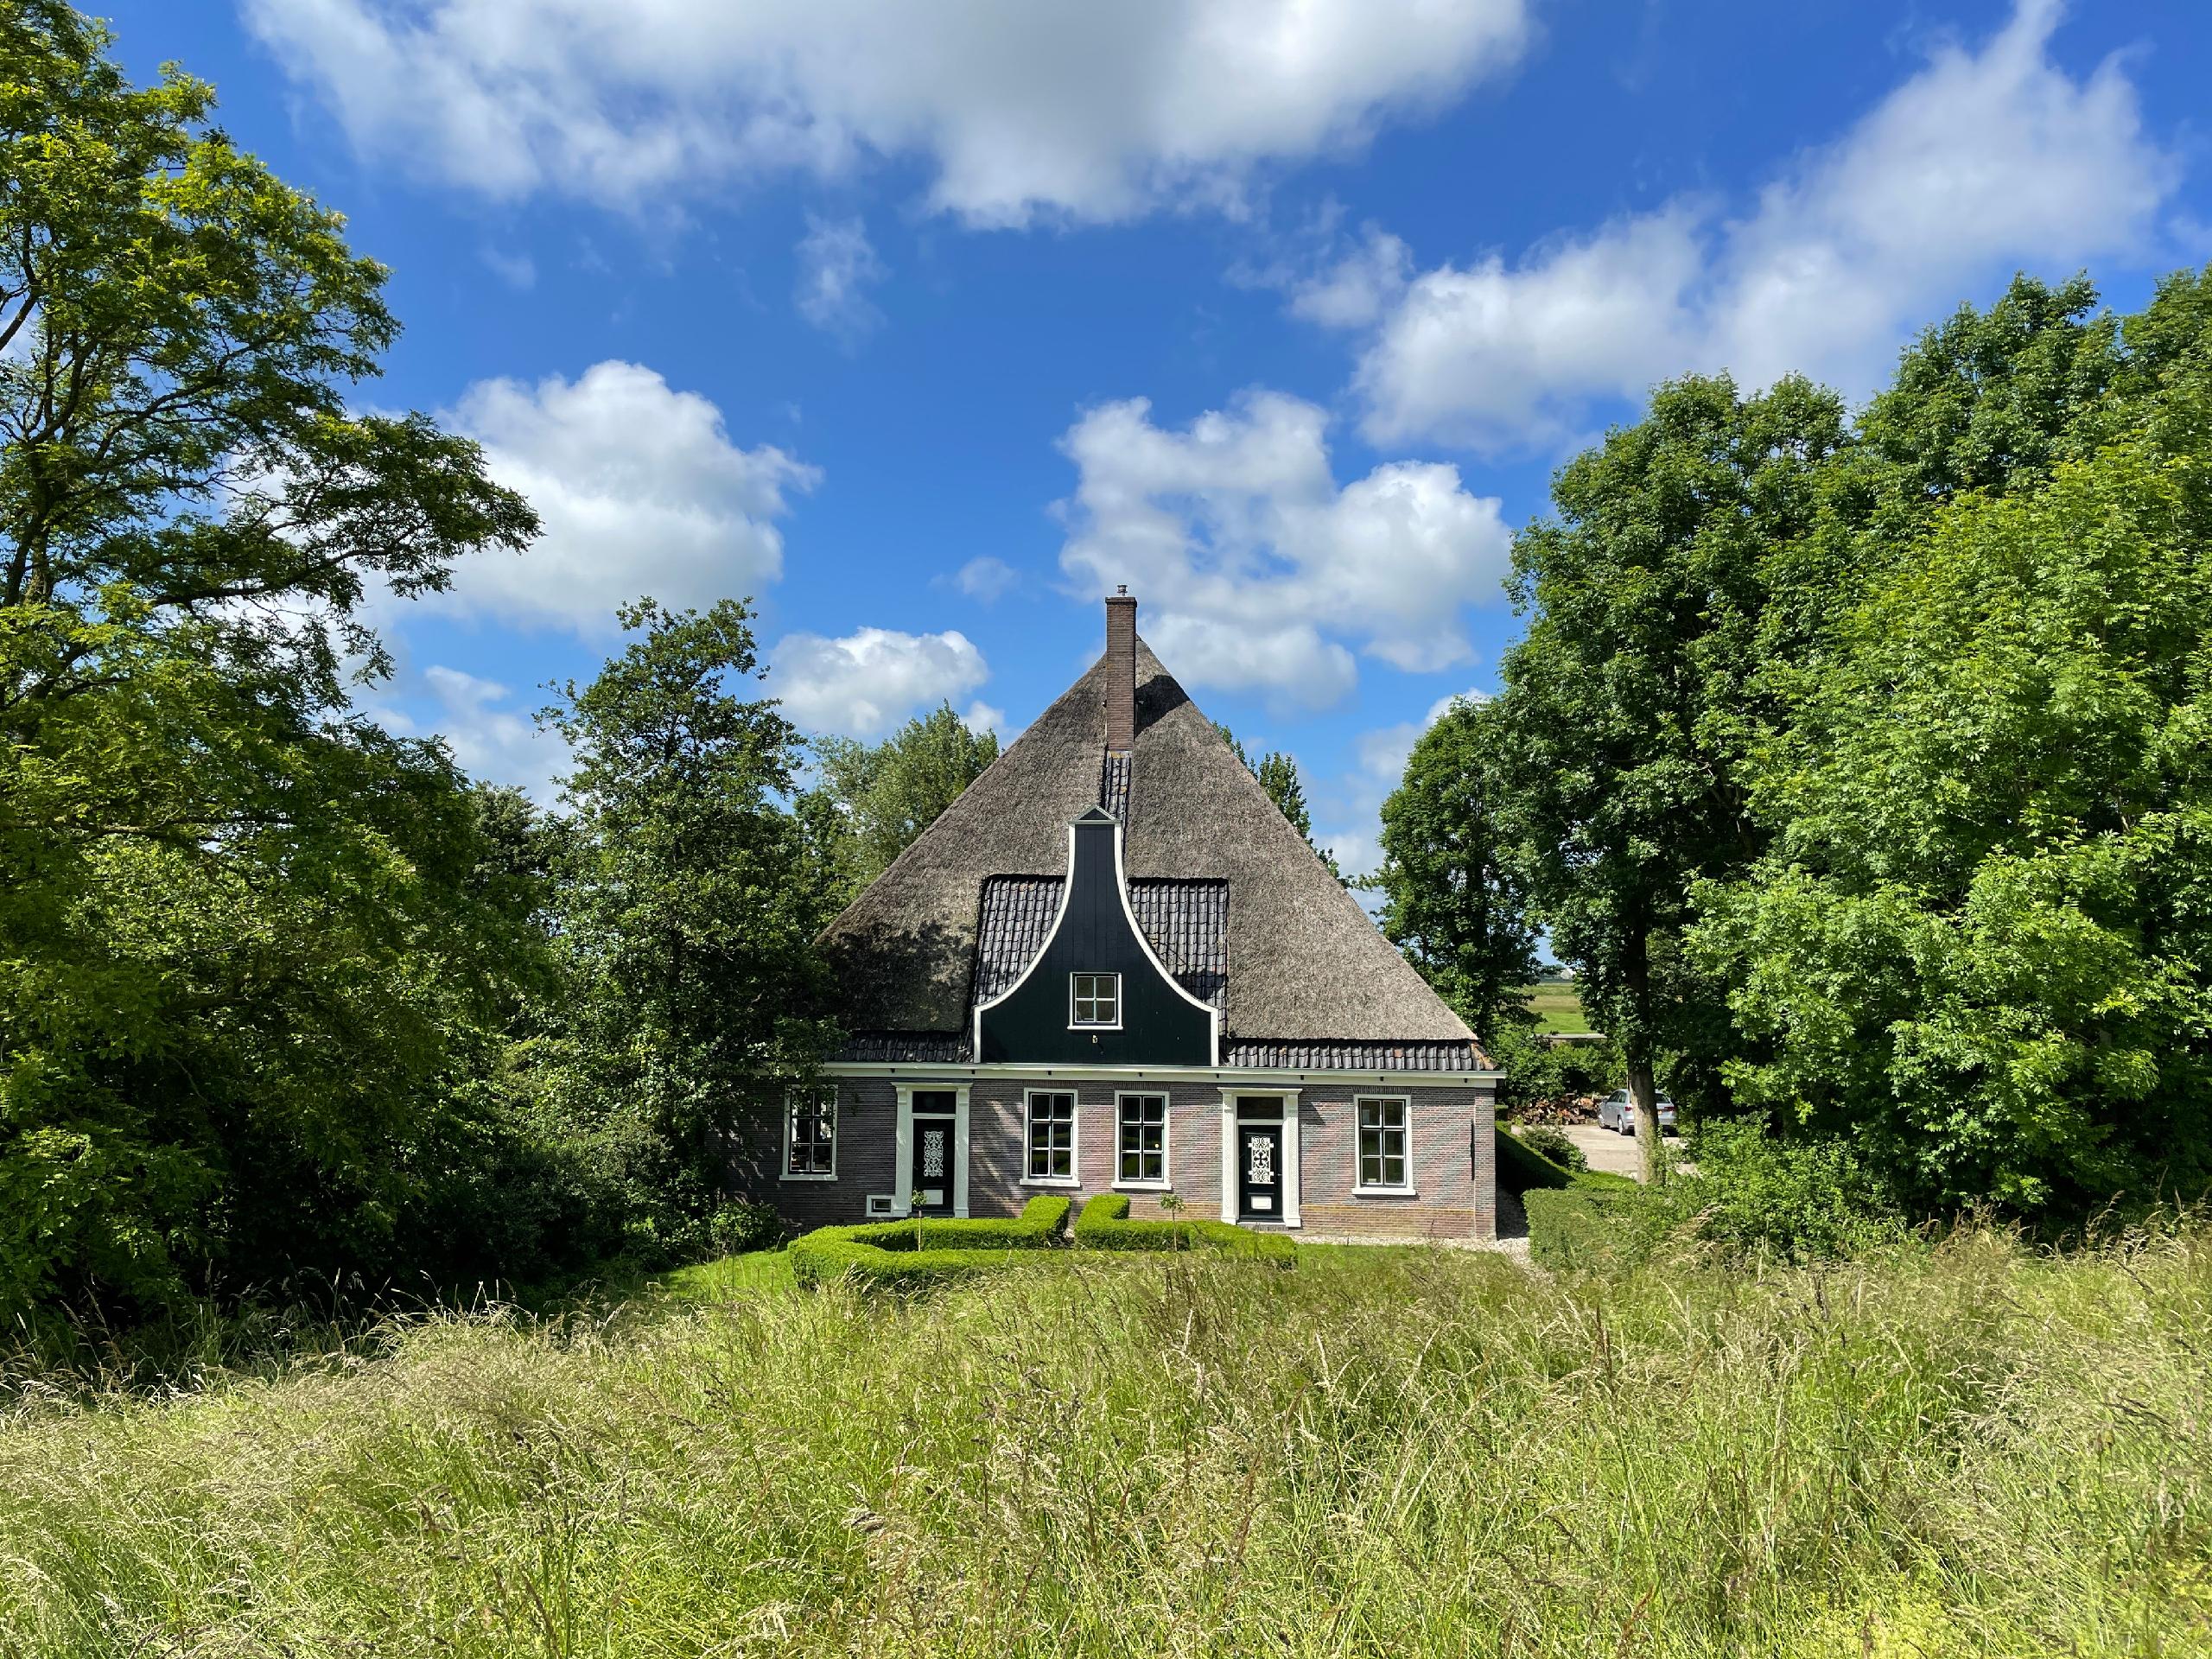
<point x="1258" y="1080"/>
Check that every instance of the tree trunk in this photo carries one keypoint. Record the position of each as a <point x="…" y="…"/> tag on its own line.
<point x="1643" y="1099"/>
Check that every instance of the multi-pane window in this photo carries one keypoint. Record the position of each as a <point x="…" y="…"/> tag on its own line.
<point x="1143" y="1149"/>
<point x="1382" y="1143"/>
<point x="1052" y="1137"/>
<point x="810" y="1134"/>
<point x="1096" y="999"/>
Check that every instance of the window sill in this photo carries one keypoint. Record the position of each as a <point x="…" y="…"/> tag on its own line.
<point x="1384" y="1192"/>
<point x="1144" y="1186"/>
<point x="831" y="1176"/>
<point x="1050" y="1181"/>
<point x="1113" y="1027"/>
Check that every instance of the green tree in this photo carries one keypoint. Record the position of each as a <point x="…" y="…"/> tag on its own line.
<point x="1627" y="708"/>
<point x="885" y="794"/>
<point x="1977" y="946"/>
<point x="1278" y="774"/>
<point x="239" y="955"/>
<point x="688" y="900"/>
<point x="1454" y="899"/>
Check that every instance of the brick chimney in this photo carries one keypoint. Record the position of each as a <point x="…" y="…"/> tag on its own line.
<point x="1120" y="670"/>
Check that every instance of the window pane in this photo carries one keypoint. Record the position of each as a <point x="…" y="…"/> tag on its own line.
<point x="1371" y="1169"/>
<point x="1393" y="1172"/>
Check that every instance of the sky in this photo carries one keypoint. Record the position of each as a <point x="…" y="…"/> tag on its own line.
<point x="923" y="326"/>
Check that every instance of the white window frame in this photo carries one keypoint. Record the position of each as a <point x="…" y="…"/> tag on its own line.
<point x="1292" y="1158"/>
<point x="1360" y="1188"/>
<point x="1074" y="1178"/>
<point x="902" y="1151"/>
<point x="790" y="1109"/>
<point x="1075" y="1024"/>
<point x="1166" y="1140"/>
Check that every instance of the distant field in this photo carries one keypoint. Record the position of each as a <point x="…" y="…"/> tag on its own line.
<point x="1557" y="1007"/>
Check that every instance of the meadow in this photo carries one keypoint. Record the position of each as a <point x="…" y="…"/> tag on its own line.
<point x="1962" y="1448"/>
<point x="1557" y="1005"/>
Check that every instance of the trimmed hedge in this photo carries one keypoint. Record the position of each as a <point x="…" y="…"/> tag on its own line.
<point x="1521" y="1169"/>
<point x="915" y="1254"/>
<point x="1104" y="1225"/>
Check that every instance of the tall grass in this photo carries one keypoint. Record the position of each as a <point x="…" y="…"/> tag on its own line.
<point x="1966" y="1449"/>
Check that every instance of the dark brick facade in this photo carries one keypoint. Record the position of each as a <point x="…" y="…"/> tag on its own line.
<point x="1452" y="1174"/>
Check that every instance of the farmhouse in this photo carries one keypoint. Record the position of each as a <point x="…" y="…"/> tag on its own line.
<point x="1113" y="965"/>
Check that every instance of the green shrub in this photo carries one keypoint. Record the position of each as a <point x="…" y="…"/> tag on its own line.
<point x="915" y="1254"/>
<point x="1521" y="1169"/>
<point x="1798" y="1200"/>
<point x="742" y="1225"/>
<point x="1550" y="1142"/>
<point x="1104" y="1225"/>
<point x="1581" y="1226"/>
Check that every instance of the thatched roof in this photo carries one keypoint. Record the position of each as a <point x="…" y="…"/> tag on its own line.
<point x="1305" y="962"/>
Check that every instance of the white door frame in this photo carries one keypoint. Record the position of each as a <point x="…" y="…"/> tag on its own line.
<point x="903" y="1153"/>
<point x="1229" y="1120"/>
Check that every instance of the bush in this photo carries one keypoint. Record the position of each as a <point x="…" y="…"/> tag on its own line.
<point x="1521" y="1169"/>
<point x="1537" y="1072"/>
<point x="743" y="1225"/>
<point x="1752" y="1196"/>
<point x="1798" y="1200"/>
<point x="1549" y="1143"/>
<point x="1104" y="1225"/>
<point x="910" y="1255"/>
<point x="1582" y="1225"/>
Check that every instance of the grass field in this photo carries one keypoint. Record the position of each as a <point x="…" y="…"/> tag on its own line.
<point x="1557" y="1007"/>
<point x="1968" y="1450"/>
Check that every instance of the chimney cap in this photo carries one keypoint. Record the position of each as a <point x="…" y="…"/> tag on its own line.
<point x="1122" y="590"/>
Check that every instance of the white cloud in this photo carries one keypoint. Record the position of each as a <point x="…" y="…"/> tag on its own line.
<point x="1090" y="111"/>
<point x="836" y="267"/>
<point x="1384" y="751"/>
<point x="869" y="682"/>
<point x="518" y="270"/>
<point x="1354" y="290"/>
<point x="1257" y="571"/>
<point x="490" y="738"/>
<point x="1980" y="161"/>
<point x="985" y="717"/>
<point x="640" y="492"/>
<point x="1355" y="802"/>
<point x="986" y="579"/>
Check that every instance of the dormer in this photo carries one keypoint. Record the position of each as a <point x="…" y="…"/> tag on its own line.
<point x="1095" y="992"/>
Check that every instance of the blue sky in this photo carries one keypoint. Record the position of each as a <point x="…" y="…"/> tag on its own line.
<point x="924" y="325"/>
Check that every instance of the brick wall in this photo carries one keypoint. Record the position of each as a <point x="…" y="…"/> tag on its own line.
<point x="1454" y="1174"/>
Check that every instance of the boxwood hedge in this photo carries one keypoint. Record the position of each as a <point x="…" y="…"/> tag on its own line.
<point x="1105" y="1225"/>
<point x="915" y="1254"/>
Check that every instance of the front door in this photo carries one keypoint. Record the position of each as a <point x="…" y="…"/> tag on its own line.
<point x="1259" y="1172"/>
<point x="931" y="1177"/>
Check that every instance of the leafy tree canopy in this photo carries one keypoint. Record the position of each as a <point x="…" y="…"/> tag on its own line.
<point x="883" y="794"/>
<point x="239" y="948"/>
<point x="1626" y="707"/>
<point x="688" y="898"/>
<point x="1977" y="945"/>
<point x="1454" y="899"/>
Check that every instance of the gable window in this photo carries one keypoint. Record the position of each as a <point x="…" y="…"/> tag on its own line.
<point x="1385" y="1165"/>
<point x="1141" y="1156"/>
<point x="1095" y="998"/>
<point x="1050" y="1138"/>
<point x="811" y="1136"/>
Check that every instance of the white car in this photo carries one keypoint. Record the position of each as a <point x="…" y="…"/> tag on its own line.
<point x="1616" y="1112"/>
